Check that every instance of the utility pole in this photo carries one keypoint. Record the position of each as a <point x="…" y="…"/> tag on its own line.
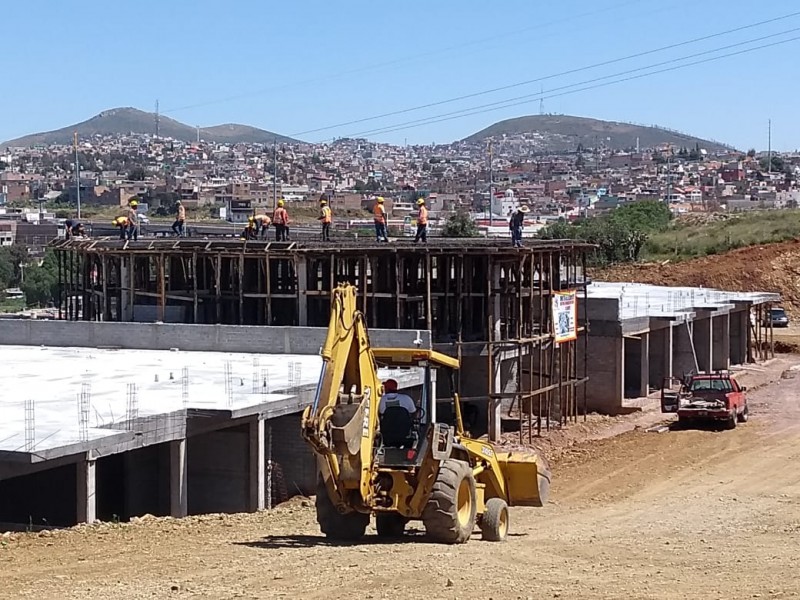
<point x="77" y="174"/>
<point x="769" y="144"/>
<point x="491" y="184"/>
<point x="158" y="122"/>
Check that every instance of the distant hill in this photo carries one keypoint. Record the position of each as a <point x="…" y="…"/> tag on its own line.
<point x="121" y="121"/>
<point x="559" y="133"/>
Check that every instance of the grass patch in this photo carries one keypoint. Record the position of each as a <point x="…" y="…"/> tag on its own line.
<point x="684" y="241"/>
<point x="8" y="305"/>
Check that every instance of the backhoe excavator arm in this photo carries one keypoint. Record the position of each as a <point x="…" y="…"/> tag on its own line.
<point x="341" y="423"/>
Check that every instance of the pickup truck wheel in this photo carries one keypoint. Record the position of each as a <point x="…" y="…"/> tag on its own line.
<point x="744" y="415"/>
<point x="732" y="419"/>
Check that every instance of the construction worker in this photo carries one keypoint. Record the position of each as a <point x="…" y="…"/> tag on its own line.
<point x="122" y="223"/>
<point x="422" y="222"/>
<point x="379" y="214"/>
<point x="325" y="217"/>
<point x="391" y="397"/>
<point x="133" y="220"/>
<point x="249" y="232"/>
<point x="179" y="226"/>
<point x="262" y="224"/>
<point x="280" y="218"/>
<point x="516" y="223"/>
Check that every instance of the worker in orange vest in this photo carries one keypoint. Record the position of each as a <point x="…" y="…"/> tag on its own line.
<point x="325" y="217"/>
<point x="422" y="222"/>
<point x="280" y="219"/>
<point x="379" y="214"/>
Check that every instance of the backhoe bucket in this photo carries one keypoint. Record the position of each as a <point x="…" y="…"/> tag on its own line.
<point x="527" y="476"/>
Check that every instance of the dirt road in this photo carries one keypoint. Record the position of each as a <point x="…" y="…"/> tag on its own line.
<point x="683" y="514"/>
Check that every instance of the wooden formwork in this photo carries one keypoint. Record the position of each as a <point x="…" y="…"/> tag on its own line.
<point x="479" y="298"/>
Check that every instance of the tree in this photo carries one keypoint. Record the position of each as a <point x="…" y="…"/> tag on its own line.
<point x="460" y="225"/>
<point x="41" y="282"/>
<point x="137" y="174"/>
<point x="11" y="257"/>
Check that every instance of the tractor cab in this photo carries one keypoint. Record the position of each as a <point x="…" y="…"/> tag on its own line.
<point x="404" y="437"/>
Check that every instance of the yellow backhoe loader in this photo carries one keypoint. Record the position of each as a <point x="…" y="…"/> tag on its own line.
<point x="401" y="466"/>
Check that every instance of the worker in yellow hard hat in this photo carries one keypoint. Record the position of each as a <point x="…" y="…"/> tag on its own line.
<point x="422" y="222"/>
<point x="133" y="220"/>
<point x="280" y="219"/>
<point x="122" y="223"/>
<point x="379" y="216"/>
<point x="249" y="231"/>
<point x="325" y="217"/>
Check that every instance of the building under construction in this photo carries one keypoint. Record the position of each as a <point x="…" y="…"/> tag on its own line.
<point x="483" y="301"/>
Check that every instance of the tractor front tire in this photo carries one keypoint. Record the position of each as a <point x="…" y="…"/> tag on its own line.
<point x="449" y="516"/>
<point x="494" y="521"/>
<point x="335" y="525"/>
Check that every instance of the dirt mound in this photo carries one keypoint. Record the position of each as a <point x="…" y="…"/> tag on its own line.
<point x="765" y="268"/>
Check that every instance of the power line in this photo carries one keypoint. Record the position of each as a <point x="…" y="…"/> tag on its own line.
<point x="527" y="100"/>
<point x="548" y="77"/>
<point x="504" y="37"/>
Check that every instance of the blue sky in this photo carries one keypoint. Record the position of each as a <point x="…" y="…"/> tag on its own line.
<point x="296" y="66"/>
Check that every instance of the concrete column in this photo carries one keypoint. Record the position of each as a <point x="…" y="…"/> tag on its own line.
<point x="739" y="326"/>
<point x="257" y="462"/>
<point x="703" y="344"/>
<point x="87" y="500"/>
<point x="668" y="334"/>
<point x="178" y="479"/>
<point x="721" y="338"/>
<point x="302" y="288"/>
<point x="683" y="355"/>
<point x="126" y="282"/>
<point x="644" y="365"/>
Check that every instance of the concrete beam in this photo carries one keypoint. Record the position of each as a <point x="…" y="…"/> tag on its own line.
<point x="257" y="462"/>
<point x="178" y="479"/>
<point x="85" y="488"/>
<point x="208" y="338"/>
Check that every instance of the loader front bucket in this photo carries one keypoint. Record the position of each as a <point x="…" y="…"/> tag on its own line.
<point x="527" y="477"/>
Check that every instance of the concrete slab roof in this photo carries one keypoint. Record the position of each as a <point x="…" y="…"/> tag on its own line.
<point x="636" y="300"/>
<point x="169" y="385"/>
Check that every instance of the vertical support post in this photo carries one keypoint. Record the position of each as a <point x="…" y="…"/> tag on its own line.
<point x="178" y="479"/>
<point x="267" y="290"/>
<point x="257" y="464"/>
<point x="131" y="287"/>
<point x="428" y="300"/>
<point x="495" y="372"/>
<point x="105" y="316"/>
<point x="162" y="287"/>
<point x="301" y="270"/>
<point x="644" y="365"/>
<point x="398" y="286"/>
<point x="59" y="256"/>
<point x="195" y="299"/>
<point x="218" y="286"/>
<point x="240" y="285"/>
<point x="86" y="498"/>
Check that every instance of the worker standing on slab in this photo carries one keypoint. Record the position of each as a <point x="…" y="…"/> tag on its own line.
<point x="179" y="226"/>
<point x="379" y="214"/>
<point x="325" y="217"/>
<point x="280" y="218"/>
<point x="516" y="224"/>
<point x="122" y="223"/>
<point x="422" y="222"/>
<point x="133" y="220"/>
<point x="262" y="224"/>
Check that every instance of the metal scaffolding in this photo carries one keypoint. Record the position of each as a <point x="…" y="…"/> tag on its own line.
<point x="484" y="301"/>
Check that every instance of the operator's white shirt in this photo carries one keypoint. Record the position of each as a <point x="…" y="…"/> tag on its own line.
<point x="395" y="399"/>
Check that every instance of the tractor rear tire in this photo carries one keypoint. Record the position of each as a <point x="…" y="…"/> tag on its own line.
<point x="494" y="522"/>
<point x="390" y="525"/>
<point x="335" y="525"/>
<point x="449" y="516"/>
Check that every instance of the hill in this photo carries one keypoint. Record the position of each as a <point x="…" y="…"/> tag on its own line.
<point x="560" y="133"/>
<point x="121" y="121"/>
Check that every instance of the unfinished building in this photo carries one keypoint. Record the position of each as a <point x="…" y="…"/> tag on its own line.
<point x="483" y="301"/>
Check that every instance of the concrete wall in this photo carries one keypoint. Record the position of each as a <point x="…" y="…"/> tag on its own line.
<point x="633" y="367"/>
<point x="739" y="327"/>
<point x="683" y="357"/>
<point x="163" y="336"/>
<point x="40" y="499"/>
<point x="605" y="368"/>
<point x="660" y="355"/>
<point x="297" y="473"/>
<point x="702" y="332"/>
<point x="720" y="342"/>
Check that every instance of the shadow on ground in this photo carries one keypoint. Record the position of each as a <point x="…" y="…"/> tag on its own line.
<point x="272" y="542"/>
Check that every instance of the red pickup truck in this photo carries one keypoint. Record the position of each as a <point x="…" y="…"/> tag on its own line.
<point x="707" y="396"/>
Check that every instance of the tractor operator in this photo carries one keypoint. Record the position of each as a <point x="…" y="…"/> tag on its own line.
<point x="392" y="398"/>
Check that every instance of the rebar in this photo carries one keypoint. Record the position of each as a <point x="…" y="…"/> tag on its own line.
<point x="30" y="425"/>
<point x="132" y="406"/>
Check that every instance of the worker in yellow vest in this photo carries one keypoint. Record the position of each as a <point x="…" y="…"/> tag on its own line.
<point x="325" y="217"/>
<point x="379" y="215"/>
<point x="422" y="222"/>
